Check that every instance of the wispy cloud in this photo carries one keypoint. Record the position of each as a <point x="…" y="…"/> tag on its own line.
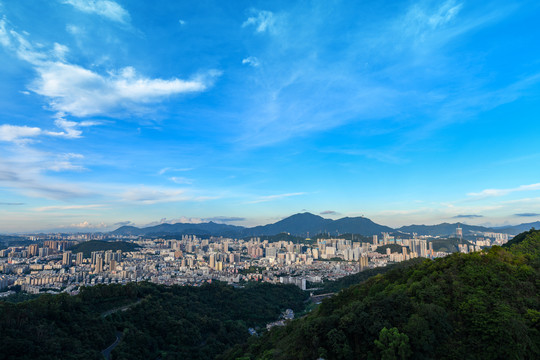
<point x="82" y="92"/>
<point x="421" y="19"/>
<point x="467" y="216"/>
<point x="180" y="180"/>
<point x="251" y="61"/>
<point x="75" y="90"/>
<point x="86" y="225"/>
<point x="274" y="197"/>
<point x="225" y="219"/>
<point x="329" y="212"/>
<point x="262" y="20"/>
<point x="25" y="134"/>
<point x="11" y="204"/>
<point x="182" y="220"/>
<point x="502" y="192"/>
<point x="106" y="8"/>
<point x="527" y="214"/>
<point x="154" y="195"/>
<point x="168" y="169"/>
<point x="18" y="134"/>
<point x="68" y="207"/>
<point x="123" y="223"/>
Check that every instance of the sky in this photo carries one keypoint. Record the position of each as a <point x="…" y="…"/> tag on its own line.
<point x="244" y="112"/>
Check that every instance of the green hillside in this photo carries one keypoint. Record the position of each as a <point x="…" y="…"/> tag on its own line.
<point x="158" y="322"/>
<point x="97" y="245"/>
<point x="333" y="286"/>
<point x="465" y="306"/>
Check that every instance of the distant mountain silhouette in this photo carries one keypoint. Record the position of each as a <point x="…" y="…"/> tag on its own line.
<point x="516" y="229"/>
<point x="298" y="224"/>
<point x="444" y="229"/>
<point x="209" y="228"/>
<point x="306" y="223"/>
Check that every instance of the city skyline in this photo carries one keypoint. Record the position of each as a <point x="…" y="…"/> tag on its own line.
<point x="126" y="112"/>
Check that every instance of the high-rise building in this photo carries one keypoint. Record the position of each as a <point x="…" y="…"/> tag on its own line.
<point x="33" y="250"/>
<point x="112" y="265"/>
<point x="43" y="252"/>
<point x="375" y="240"/>
<point x="98" y="267"/>
<point x="66" y="258"/>
<point x="363" y="261"/>
<point x="459" y="232"/>
<point x="79" y="259"/>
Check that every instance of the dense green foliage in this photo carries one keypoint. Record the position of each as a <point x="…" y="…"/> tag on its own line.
<point x="347" y="236"/>
<point x="447" y="245"/>
<point x="12" y="240"/>
<point x="334" y="286"/>
<point x="58" y="326"/>
<point x="281" y="237"/>
<point x="157" y="321"/>
<point x="199" y="323"/>
<point x="97" y="245"/>
<point x="395" y="248"/>
<point x="465" y="306"/>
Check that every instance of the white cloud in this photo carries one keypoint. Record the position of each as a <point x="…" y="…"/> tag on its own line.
<point x="420" y="18"/>
<point x="444" y="14"/>
<point x="87" y="225"/>
<point x="74" y="29"/>
<point x="168" y="169"/>
<point x="5" y="39"/>
<point x="501" y="192"/>
<point x="181" y="22"/>
<point x="274" y="197"/>
<point x="67" y="207"/>
<point x="60" y="51"/>
<point x="150" y="195"/>
<point x="262" y="20"/>
<point x="251" y="61"/>
<point x="18" y="134"/>
<point x="74" y="90"/>
<point x="108" y="9"/>
<point x="25" y="134"/>
<point x="180" y="180"/>
<point x="182" y="220"/>
<point x="82" y="92"/>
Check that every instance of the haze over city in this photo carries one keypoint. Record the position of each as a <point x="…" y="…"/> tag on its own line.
<point x="245" y="112"/>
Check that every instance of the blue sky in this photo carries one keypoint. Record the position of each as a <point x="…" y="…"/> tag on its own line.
<point x="137" y="112"/>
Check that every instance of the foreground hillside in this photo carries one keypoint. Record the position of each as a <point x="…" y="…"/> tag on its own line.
<point x="153" y="321"/>
<point x="465" y="306"/>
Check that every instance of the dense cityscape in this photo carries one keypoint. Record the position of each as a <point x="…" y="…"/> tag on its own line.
<point x="48" y="265"/>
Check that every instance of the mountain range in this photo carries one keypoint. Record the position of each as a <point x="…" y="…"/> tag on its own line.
<point x="304" y="224"/>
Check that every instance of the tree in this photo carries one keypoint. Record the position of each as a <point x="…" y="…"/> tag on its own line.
<point x="393" y="345"/>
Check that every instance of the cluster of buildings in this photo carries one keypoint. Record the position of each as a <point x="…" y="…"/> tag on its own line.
<point x="50" y="266"/>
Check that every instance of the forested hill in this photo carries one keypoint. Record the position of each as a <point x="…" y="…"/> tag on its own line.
<point x="465" y="306"/>
<point x="156" y="321"/>
<point x="98" y="245"/>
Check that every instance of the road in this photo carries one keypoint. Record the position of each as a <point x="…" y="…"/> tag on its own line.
<point x="107" y="351"/>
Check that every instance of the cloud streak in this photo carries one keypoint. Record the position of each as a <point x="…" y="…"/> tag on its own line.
<point x="467" y="216"/>
<point x="274" y="197"/>
<point x="261" y="20"/>
<point x="225" y="219"/>
<point x="105" y="8"/>
<point x="68" y="207"/>
<point x="329" y="212"/>
<point x="81" y="92"/>
<point x="527" y="214"/>
<point x="502" y="192"/>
